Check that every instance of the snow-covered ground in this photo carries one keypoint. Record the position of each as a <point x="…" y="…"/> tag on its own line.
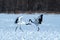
<point x="49" y="29"/>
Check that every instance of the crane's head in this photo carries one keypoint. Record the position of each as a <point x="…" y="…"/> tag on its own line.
<point x="41" y="14"/>
<point x="30" y="20"/>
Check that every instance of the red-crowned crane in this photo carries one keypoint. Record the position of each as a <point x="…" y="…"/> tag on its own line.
<point x="37" y="21"/>
<point x="20" y="22"/>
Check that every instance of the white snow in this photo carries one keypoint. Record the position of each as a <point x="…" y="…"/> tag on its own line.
<point x="49" y="29"/>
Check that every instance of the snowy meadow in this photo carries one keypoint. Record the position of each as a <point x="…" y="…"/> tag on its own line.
<point x="49" y="29"/>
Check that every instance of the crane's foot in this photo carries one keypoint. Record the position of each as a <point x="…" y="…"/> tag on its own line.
<point x="38" y="29"/>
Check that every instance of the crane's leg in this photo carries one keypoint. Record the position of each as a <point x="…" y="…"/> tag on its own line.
<point x="38" y="29"/>
<point x="21" y="28"/>
<point x="16" y="28"/>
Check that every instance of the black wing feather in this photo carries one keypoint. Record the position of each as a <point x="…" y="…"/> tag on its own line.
<point x="16" y="21"/>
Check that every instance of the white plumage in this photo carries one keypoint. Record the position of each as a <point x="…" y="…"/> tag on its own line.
<point x="20" y="22"/>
